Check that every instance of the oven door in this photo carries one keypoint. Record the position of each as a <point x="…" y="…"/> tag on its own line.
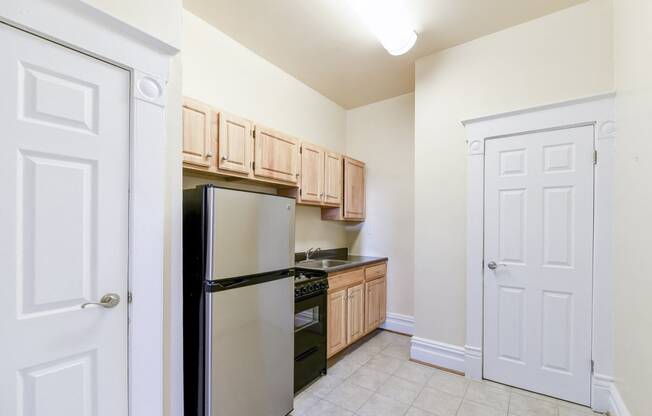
<point x="309" y="339"/>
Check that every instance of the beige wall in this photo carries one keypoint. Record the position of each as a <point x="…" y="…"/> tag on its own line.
<point x="221" y="72"/>
<point x="382" y="135"/>
<point x="633" y="204"/>
<point x="560" y="56"/>
<point x="159" y="18"/>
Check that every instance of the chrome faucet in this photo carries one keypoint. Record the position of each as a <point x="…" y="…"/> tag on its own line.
<point x="312" y="252"/>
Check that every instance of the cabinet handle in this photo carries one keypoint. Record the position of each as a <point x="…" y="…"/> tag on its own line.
<point x="223" y="158"/>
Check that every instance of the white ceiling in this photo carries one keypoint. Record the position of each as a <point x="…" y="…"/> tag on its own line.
<point x="324" y="44"/>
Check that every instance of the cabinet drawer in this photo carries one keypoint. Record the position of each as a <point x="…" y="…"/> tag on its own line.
<point x="374" y="272"/>
<point x="345" y="279"/>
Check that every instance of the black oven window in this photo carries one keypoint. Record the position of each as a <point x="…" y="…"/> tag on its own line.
<point x="306" y="318"/>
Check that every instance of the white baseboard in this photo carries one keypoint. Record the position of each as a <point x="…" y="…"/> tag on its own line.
<point x="616" y="404"/>
<point x="473" y="364"/>
<point x="439" y="354"/>
<point x="601" y="392"/>
<point x="396" y="322"/>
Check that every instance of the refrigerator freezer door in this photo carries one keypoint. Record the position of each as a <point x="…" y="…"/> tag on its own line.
<point x="251" y="350"/>
<point x="252" y="233"/>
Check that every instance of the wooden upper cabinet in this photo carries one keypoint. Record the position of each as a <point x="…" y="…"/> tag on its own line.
<point x="198" y="137"/>
<point x="354" y="189"/>
<point x="312" y="174"/>
<point x="276" y="155"/>
<point x="355" y="310"/>
<point x="332" y="179"/>
<point x="234" y="144"/>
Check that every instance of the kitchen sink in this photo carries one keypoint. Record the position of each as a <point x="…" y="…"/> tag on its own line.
<point x="323" y="264"/>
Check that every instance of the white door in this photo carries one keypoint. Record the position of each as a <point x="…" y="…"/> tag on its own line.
<point x="538" y="262"/>
<point x="64" y="171"/>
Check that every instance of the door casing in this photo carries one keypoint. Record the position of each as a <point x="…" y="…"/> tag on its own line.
<point x="81" y="27"/>
<point x="599" y="112"/>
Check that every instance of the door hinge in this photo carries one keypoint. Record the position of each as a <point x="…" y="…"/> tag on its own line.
<point x="301" y="150"/>
<point x="253" y="165"/>
<point x="130" y="297"/>
<point x="592" y="366"/>
<point x="595" y="157"/>
<point x="300" y="192"/>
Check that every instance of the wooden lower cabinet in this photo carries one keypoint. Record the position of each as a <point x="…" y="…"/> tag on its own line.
<point x="337" y="303"/>
<point x="375" y="303"/>
<point x="356" y="305"/>
<point x="355" y="313"/>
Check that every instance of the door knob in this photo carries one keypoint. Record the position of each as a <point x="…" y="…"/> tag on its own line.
<point x="110" y="300"/>
<point x="493" y="265"/>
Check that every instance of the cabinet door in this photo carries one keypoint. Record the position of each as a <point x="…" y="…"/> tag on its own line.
<point x="198" y="143"/>
<point x="355" y="310"/>
<point x="234" y="143"/>
<point x="375" y="303"/>
<point x="336" y="338"/>
<point x="312" y="173"/>
<point x="333" y="179"/>
<point x="276" y="155"/>
<point x="354" y="193"/>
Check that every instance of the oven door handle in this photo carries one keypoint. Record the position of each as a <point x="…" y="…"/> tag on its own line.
<point x="306" y="354"/>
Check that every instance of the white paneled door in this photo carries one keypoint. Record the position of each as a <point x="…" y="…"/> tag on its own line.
<point x="64" y="174"/>
<point x="538" y="262"/>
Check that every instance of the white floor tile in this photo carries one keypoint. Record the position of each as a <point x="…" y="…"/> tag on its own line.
<point x="368" y="378"/>
<point x="324" y="385"/>
<point x="449" y="383"/>
<point x="399" y="389"/>
<point x="415" y="372"/>
<point x="385" y="363"/>
<point x="488" y="395"/>
<point x="343" y="369"/>
<point x="437" y="402"/>
<point x="325" y="408"/>
<point x="378" y="405"/>
<point x="468" y="408"/>
<point x="521" y="405"/>
<point x="349" y="396"/>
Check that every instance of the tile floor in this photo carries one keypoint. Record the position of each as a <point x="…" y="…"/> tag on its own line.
<point x="376" y="378"/>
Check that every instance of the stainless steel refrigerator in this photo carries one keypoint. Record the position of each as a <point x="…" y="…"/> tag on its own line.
<point x="238" y="302"/>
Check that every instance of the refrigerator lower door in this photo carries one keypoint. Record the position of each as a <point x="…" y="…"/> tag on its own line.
<point x="250" y="349"/>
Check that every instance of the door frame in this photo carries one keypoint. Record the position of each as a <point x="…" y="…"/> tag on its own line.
<point x="599" y="112"/>
<point x="79" y="26"/>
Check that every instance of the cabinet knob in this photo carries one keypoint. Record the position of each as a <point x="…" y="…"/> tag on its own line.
<point x="224" y="159"/>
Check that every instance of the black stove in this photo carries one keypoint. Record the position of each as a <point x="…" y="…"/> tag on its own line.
<point x="310" y="289"/>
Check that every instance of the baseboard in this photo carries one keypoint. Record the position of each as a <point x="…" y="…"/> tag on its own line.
<point x="396" y="322"/>
<point x="616" y="403"/>
<point x="438" y="354"/>
<point x="601" y="392"/>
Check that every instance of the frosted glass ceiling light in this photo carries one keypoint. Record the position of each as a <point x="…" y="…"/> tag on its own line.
<point x="387" y="20"/>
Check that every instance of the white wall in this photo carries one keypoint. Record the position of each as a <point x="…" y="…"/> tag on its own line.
<point x="159" y="18"/>
<point x="382" y="135"/>
<point x="561" y="56"/>
<point x="633" y="204"/>
<point x="221" y="72"/>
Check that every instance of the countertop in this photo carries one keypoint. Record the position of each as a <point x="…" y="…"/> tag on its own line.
<point x="339" y="254"/>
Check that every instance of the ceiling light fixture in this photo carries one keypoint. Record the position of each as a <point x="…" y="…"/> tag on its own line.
<point x="387" y="20"/>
